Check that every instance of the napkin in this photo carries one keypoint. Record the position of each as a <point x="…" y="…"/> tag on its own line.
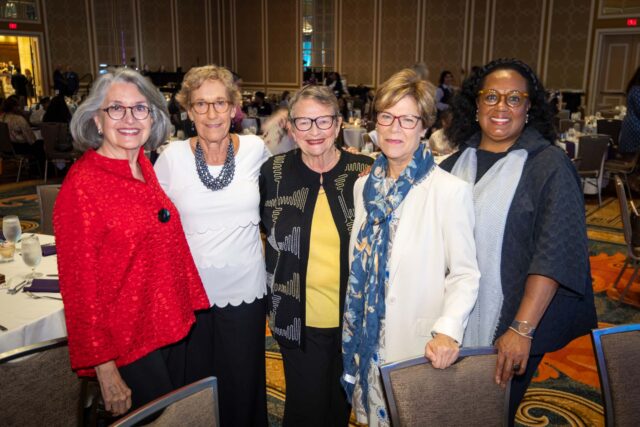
<point x="49" y="249"/>
<point x="43" y="285"/>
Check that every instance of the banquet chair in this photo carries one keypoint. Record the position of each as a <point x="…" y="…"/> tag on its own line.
<point x="564" y="125"/>
<point x="52" y="134"/>
<point x="609" y="127"/>
<point x="40" y="389"/>
<point x="618" y="361"/>
<point x="47" y="197"/>
<point x="633" y="253"/>
<point x="195" y="404"/>
<point x="420" y="395"/>
<point x="593" y="154"/>
<point x="7" y="152"/>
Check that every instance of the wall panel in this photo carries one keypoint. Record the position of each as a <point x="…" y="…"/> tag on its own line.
<point x="398" y="23"/>
<point x="282" y="46"/>
<point x="68" y="35"/>
<point x="156" y="34"/>
<point x="215" y="32"/>
<point x="357" y="41"/>
<point x="250" y="45"/>
<point x="479" y="31"/>
<point x="569" y="40"/>
<point x="115" y="31"/>
<point x="192" y="28"/>
<point x="444" y="36"/>
<point x="517" y="30"/>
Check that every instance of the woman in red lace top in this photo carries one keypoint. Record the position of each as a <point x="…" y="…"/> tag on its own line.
<point x="129" y="284"/>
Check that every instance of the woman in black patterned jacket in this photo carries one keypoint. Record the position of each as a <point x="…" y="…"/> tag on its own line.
<point x="307" y="211"/>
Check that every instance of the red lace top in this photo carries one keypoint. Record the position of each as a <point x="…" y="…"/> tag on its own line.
<point x="127" y="279"/>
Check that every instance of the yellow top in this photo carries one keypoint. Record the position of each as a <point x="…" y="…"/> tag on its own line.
<point x="323" y="268"/>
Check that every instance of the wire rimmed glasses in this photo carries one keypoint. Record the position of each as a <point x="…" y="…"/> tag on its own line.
<point x="304" y="124"/>
<point x="117" y="111"/>
<point x="406" y="121"/>
<point x="492" y="97"/>
<point x="202" y="107"/>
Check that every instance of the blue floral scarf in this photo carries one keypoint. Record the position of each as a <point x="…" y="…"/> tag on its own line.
<point x="364" y="304"/>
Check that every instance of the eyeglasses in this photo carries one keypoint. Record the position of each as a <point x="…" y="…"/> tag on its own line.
<point x="304" y="123"/>
<point x="202" y="107"/>
<point x="406" y="121"/>
<point x="117" y="111"/>
<point x="492" y="97"/>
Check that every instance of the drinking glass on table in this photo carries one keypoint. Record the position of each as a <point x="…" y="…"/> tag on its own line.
<point x="11" y="228"/>
<point x="32" y="254"/>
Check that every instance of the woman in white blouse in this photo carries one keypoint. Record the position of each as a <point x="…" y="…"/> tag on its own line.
<point x="213" y="181"/>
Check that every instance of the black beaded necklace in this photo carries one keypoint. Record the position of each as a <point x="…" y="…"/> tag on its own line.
<point x="226" y="174"/>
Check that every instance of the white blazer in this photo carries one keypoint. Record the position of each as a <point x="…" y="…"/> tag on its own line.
<point x="433" y="271"/>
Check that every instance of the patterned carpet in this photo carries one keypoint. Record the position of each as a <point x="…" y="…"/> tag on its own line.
<point x="565" y="390"/>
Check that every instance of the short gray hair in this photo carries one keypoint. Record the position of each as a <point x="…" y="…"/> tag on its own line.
<point x="321" y="94"/>
<point x="83" y="128"/>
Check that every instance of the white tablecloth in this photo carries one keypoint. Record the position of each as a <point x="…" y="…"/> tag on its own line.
<point x="29" y="320"/>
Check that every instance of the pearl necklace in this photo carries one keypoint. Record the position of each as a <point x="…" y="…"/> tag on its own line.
<point x="226" y="174"/>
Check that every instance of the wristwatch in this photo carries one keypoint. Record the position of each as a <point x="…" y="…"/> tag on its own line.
<point x="522" y="328"/>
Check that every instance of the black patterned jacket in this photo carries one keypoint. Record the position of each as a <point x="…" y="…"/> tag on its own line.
<point x="288" y="194"/>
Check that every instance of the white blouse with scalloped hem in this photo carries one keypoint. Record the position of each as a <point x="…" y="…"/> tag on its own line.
<point x="222" y="227"/>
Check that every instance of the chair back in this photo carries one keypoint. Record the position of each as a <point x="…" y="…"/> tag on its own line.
<point x="193" y="405"/>
<point x="51" y="134"/>
<point x="40" y="387"/>
<point x="420" y="395"/>
<point x="593" y="153"/>
<point x="618" y="361"/>
<point x="5" y="139"/>
<point x="353" y="137"/>
<point x="47" y="196"/>
<point x="564" y="125"/>
<point x="610" y="127"/>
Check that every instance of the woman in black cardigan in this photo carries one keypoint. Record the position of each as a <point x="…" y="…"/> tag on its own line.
<point x="307" y="211"/>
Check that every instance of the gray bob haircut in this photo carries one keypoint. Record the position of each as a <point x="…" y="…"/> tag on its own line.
<point x="83" y="128"/>
<point x="322" y="94"/>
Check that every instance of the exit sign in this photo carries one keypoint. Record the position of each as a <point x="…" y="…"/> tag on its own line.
<point x="13" y="26"/>
<point x="632" y="22"/>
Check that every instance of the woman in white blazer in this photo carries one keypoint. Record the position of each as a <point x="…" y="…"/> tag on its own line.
<point x="414" y="276"/>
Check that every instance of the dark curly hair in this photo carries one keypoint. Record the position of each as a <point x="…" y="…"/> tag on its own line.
<point x="464" y="107"/>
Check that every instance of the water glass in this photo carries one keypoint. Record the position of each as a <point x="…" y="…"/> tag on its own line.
<point x="32" y="254"/>
<point x="11" y="228"/>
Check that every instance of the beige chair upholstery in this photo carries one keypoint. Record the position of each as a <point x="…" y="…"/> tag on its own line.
<point x="465" y="394"/>
<point x="617" y="352"/>
<point x="193" y="405"/>
<point x="40" y="389"/>
<point x="47" y="197"/>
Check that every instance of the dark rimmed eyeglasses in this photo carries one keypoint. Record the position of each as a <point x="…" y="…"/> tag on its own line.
<point x="202" y="107"/>
<point x="304" y="123"/>
<point x="492" y="97"/>
<point x="117" y="111"/>
<point x="406" y="121"/>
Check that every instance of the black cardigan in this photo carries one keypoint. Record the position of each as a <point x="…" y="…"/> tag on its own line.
<point x="288" y="194"/>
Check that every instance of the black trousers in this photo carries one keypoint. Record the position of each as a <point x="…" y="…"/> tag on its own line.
<point x="165" y="369"/>
<point x="314" y="394"/>
<point x="519" y="385"/>
<point x="233" y="350"/>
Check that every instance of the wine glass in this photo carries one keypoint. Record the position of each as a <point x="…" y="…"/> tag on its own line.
<point x="32" y="254"/>
<point x="11" y="228"/>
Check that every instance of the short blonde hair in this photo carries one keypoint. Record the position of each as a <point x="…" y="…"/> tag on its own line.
<point x="408" y="83"/>
<point x="196" y="76"/>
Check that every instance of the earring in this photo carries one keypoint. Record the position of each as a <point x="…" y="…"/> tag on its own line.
<point x="477" y="116"/>
<point x="526" y="119"/>
<point x="100" y="132"/>
<point x="193" y="127"/>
